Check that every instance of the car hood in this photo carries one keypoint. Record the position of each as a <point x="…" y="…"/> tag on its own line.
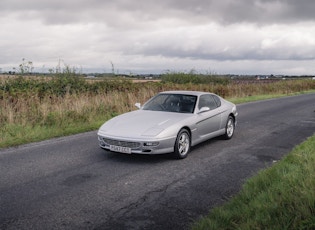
<point x="140" y="123"/>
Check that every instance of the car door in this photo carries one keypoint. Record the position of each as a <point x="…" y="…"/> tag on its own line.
<point x="208" y="121"/>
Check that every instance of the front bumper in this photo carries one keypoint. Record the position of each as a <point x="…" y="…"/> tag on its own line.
<point x="135" y="146"/>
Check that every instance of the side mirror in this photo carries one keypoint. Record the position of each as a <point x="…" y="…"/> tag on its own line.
<point x="204" y="109"/>
<point x="138" y="105"/>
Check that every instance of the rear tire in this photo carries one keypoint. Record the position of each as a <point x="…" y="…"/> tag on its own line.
<point x="182" y="144"/>
<point x="229" y="128"/>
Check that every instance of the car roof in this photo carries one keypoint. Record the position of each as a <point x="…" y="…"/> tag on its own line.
<point x="194" y="93"/>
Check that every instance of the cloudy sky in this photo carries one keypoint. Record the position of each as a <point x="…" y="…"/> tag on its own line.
<point x="150" y="36"/>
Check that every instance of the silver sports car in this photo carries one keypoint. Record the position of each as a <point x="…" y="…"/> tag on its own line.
<point x="170" y="122"/>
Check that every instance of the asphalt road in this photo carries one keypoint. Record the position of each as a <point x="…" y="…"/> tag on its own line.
<point x="70" y="183"/>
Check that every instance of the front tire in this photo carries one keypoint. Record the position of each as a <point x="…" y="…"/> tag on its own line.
<point x="229" y="128"/>
<point x="182" y="144"/>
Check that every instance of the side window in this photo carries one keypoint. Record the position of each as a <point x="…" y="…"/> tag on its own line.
<point x="217" y="100"/>
<point x="207" y="101"/>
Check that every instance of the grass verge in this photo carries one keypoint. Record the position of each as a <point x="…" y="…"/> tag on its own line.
<point x="239" y="100"/>
<point x="14" y="135"/>
<point x="280" y="197"/>
<point x="17" y="134"/>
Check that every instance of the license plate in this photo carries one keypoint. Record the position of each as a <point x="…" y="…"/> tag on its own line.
<point x="120" y="149"/>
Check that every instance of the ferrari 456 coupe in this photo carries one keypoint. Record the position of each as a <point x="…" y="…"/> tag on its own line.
<point x="170" y="122"/>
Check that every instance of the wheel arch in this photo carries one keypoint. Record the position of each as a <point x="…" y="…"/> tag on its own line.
<point x="233" y="116"/>
<point x="188" y="129"/>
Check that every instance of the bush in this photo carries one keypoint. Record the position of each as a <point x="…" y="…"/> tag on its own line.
<point x="194" y="78"/>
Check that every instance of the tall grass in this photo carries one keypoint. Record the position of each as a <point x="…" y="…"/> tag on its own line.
<point x="33" y="109"/>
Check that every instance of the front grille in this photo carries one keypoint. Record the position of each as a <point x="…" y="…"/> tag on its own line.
<point x="132" y="145"/>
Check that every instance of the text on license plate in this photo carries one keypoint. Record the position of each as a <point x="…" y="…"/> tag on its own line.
<point x="120" y="149"/>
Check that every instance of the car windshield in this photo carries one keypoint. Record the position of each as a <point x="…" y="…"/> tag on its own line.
<point x="179" y="103"/>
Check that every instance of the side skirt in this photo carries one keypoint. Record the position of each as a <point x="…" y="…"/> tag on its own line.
<point x="203" y="138"/>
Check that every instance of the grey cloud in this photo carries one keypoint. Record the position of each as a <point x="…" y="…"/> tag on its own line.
<point x="257" y="54"/>
<point x="198" y="11"/>
<point x="249" y="11"/>
<point x="226" y="43"/>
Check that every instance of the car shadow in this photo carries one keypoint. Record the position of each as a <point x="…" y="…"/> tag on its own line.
<point x="152" y="159"/>
<point x="208" y="142"/>
<point x="135" y="158"/>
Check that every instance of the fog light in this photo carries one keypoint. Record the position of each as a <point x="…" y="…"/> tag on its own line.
<point x="151" y="144"/>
